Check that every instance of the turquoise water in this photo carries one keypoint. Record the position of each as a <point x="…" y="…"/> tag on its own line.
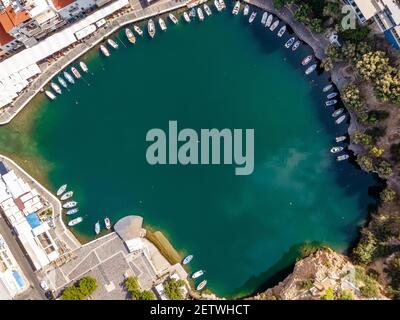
<point x="221" y="73"/>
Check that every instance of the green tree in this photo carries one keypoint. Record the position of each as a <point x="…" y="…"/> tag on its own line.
<point x="387" y="195"/>
<point x="345" y="295"/>
<point x="307" y="284"/>
<point x="87" y="285"/>
<point x="376" y="151"/>
<point x="131" y="284"/>
<point x="72" y="293"/>
<point x="384" y="168"/>
<point x="366" y="249"/>
<point x="172" y="289"/>
<point x="373" y="65"/>
<point x="332" y="9"/>
<point x="361" y="138"/>
<point x="303" y="13"/>
<point x="329" y="295"/>
<point x="352" y="98"/>
<point x="365" y="162"/>
<point x="327" y="64"/>
<point x="147" y="295"/>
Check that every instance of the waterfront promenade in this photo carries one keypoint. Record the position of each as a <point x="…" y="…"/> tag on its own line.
<point x="133" y="13"/>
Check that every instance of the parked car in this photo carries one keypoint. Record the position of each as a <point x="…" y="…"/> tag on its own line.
<point x="44" y="285"/>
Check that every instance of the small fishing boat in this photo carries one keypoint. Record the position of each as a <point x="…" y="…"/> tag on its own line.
<point x="310" y="69"/>
<point x="55" y="87"/>
<point x="173" y="18"/>
<point x="162" y="24"/>
<point x="192" y="12"/>
<point x="336" y="149"/>
<point x="289" y="43"/>
<point x="332" y="95"/>
<point x="107" y="223"/>
<point x="264" y="18"/>
<point x="129" y="34"/>
<point x="70" y="204"/>
<point x="236" y="8"/>
<point x="62" y="82"/>
<point x="201" y="285"/>
<point x="327" y="88"/>
<point x="217" y="5"/>
<point x="269" y="20"/>
<point x="50" y="95"/>
<point x="138" y="30"/>
<point x="97" y="227"/>
<point x="340" y="138"/>
<point x="246" y="10"/>
<point x="222" y="3"/>
<point x="296" y="45"/>
<point x="275" y="25"/>
<point x="83" y="66"/>
<point x="342" y="157"/>
<point x="187" y="259"/>
<point x="198" y="274"/>
<point x="69" y="78"/>
<point x="72" y="211"/>
<point x="282" y="31"/>
<point x="330" y="102"/>
<point x="75" y="221"/>
<point x="104" y="50"/>
<point x="61" y="190"/>
<point x="75" y="72"/>
<point x="200" y="14"/>
<point x="112" y="43"/>
<point x="67" y="195"/>
<point x="186" y="17"/>
<point x="207" y="9"/>
<point x="151" y="28"/>
<point x="307" y="60"/>
<point x="340" y="119"/>
<point x="337" y="112"/>
<point x="252" y="16"/>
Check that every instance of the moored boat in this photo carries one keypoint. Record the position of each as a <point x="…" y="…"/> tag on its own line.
<point x="296" y="45"/>
<point x="275" y="25"/>
<point x="69" y="78"/>
<point x="97" y="227"/>
<point x="104" y="50"/>
<point x="307" y="60"/>
<point x="172" y="17"/>
<point x="107" y="223"/>
<point x="72" y="211"/>
<point x="289" y="43"/>
<point x="264" y="18"/>
<point x="75" y="221"/>
<point x="311" y="69"/>
<point x="340" y="119"/>
<point x="55" y="87"/>
<point x="162" y="24"/>
<point x="282" y="31"/>
<point x="186" y="17"/>
<point x="222" y="3"/>
<point x="50" y="95"/>
<point x="337" y="112"/>
<point x="217" y="5"/>
<point x="67" y="195"/>
<point x="246" y="10"/>
<point x="83" y="66"/>
<point x="252" y="16"/>
<point x="330" y="102"/>
<point x="327" y="87"/>
<point x="129" y="34"/>
<point x="70" y="204"/>
<point x="151" y="28"/>
<point x="236" y="8"/>
<point x="75" y="72"/>
<point x="336" y="149"/>
<point x="340" y="138"/>
<point x="198" y="274"/>
<point x="201" y="285"/>
<point x="207" y="9"/>
<point x="112" y="43"/>
<point x="62" y="81"/>
<point x="187" y="259"/>
<point x="332" y="95"/>
<point x="200" y="14"/>
<point x="269" y="20"/>
<point x="192" y="12"/>
<point x="342" y="157"/>
<point x="138" y="30"/>
<point x="61" y="190"/>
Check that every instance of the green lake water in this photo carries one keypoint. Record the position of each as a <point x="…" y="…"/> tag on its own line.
<point x="222" y="73"/>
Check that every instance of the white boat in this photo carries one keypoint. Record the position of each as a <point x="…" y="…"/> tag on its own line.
<point x="340" y="138"/>
<point x="236" y="8"/>
<point x="217" y="5"/>
<point x="192" y="13"/>
<point x="311" y="69"/>
<point x="75" y="221"/>
<point x="83" y="66"/>
<point x="138" y="30"/>
<point x="62" y="82"/>
<point x="173" y="18"/>
<point x="130" y="36"/>
<point x="61" y="190"/>
<point x="55" y="87"/>
<point x="342" y="157"/>
<point x="72" y="211"/>
<point x="282" y="31"/>
<point x="289" y="43"/>
<point x="264" y="18"/>
<point x="186" y="17"/>
<point x="332" y="95"/>
<point x="50" y="95"/>
<point x="151" y="28"/>
<point x="246" y="10"/>
<point x="104" y="50"/>
<point x="296" y="45"/>
<point x="275" y="25"/>
<point x="269" y="20"/>
<point x="222" y="3"/>
<point x="112" y="43"/>
<point x="201" y="285"/>
<point x="187" y="259"/>
<point x="198" y="274"/>
<point x="252" y="16"/>
<point x="69" y="78"/>
<point x="75" y="72"/>
<point x="307" y="60"/>
<point x="97" y="227"/>
<point x="340" y="119"/>
<point x="330" y="102"/>
<point x="67" y="195"/>
<point x="336" y="149"/>
<point x="200" y="14"/>
<point x="70" y="204"/>
<point x="107" y="223"/>
<point x="162" y="24"/>
<point x="337" y="112"/>
<point x="327" y="88"/>
<point x="207" y="9"/>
